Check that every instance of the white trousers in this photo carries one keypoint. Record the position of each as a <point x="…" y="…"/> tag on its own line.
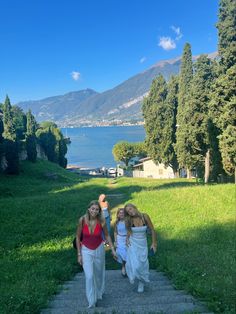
<point x="94" y="269"/>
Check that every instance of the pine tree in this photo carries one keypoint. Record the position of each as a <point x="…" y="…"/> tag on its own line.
<point x="185" y="78"/>
<point x="154" y="112"/>
<point x="31" y="137"/>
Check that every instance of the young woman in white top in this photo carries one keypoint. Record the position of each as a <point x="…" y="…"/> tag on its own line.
<point x="137" y="265"/>
<point x="120" y="234"/>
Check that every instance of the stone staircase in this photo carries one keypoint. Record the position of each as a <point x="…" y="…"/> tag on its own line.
<point x="121" y="297"/>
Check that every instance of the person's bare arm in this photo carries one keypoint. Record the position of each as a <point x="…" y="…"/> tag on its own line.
<point x="154" y="234"/>
<point x="109" y="240"/>
<point x="78" y="235"/>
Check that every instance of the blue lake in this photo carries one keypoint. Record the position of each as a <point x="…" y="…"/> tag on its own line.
<point x="92" y="147"/>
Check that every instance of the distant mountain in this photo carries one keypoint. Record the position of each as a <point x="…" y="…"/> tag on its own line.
<point x="118" y="105"/>
<point x="56" y="107"/>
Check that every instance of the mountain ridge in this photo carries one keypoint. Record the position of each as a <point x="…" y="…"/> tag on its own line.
<point x="118" y="105"/>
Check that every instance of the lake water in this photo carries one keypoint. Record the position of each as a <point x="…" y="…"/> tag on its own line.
<point x="92" y="147"/>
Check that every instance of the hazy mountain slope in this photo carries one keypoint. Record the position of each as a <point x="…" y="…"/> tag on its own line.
<point x="86" y="107"/>
<point x="56" y="107"/>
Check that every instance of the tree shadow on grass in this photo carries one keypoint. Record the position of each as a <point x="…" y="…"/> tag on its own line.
<point x="202" y="261"/>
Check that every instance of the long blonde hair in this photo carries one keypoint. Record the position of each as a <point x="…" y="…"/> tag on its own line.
<point x="117" y="216"/>
<point x="128" y="218"/>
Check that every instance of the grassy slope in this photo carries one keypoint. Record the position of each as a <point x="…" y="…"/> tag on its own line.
<point x="38" y="220"/>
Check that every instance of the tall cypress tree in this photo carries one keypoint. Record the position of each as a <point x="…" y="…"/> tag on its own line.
<point x="155" y="120"/>
<point x="31" y="137"/>
<point x="185" y="78"/>
<point x="227" y="34"/>
<point x="168" y="133"/>
<point x="1" y="141"/>
<point x="9" y="130"/>
<point x="197" y="114"/>
<point x="19" y="122"/>
<point x="11" y="147"/>
<point x="223" y="103"/>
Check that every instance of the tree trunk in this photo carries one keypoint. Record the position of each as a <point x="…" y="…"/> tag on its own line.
<point x="207" y="166"/>
<point x="188" y="173"/>
<point x="176" y="174"/>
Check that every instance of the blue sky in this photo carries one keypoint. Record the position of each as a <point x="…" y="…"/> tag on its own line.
<point x="51" y="47"/>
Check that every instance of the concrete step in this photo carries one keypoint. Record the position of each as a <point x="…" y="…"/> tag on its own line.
<point x="121" y="297"/>
<point x="173" y="308"/>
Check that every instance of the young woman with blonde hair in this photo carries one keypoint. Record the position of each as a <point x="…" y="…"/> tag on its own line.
<point x="137" y="265"/>
<point x="91" y="253"/>
<point x="120" y="235"/>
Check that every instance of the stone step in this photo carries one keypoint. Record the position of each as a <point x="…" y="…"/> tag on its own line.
<point x="173" y="308"/>
<point x="121" y="297"/>
<point x="166" y="292"/>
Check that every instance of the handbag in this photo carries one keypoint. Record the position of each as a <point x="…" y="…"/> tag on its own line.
<point x="81" y="237"/>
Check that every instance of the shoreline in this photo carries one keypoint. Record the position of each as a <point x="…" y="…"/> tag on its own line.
<point x="99" y="125"/>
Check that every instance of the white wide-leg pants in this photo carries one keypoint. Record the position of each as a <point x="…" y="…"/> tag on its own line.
<point x="94" y="269"/>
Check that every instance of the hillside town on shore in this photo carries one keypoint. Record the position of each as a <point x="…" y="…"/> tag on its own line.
<point x="98" y="123"/>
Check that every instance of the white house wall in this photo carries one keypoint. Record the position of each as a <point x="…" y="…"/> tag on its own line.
<point x="151" y="170"/>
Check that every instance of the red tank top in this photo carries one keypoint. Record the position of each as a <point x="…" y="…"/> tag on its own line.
<point x="92" y="241"/>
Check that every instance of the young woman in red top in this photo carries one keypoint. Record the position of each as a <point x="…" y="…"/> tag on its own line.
<point x="91" y="253"/>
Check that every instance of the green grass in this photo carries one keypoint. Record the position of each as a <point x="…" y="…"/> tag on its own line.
<point x="195" y="226"/>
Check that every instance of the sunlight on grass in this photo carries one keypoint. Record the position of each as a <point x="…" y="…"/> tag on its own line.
<point x="195" y="226"/>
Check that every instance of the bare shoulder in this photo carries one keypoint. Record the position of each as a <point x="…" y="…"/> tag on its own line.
<point x="146" y="216"/>
<point x="82" y="219"/>
<point x="147" y="219"/>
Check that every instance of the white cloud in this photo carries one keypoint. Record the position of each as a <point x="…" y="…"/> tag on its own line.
<point x="75" y="75"/>
<point x="167" y="43"/>
<point x="177" y="32"/>
<point x="143" y="59"/>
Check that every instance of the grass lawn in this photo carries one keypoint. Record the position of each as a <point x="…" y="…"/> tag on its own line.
<point x="39" y="211"/>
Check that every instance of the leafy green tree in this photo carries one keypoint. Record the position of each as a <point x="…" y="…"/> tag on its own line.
<point x="11" y="146"/>
<point x="222" y="104"/>
<point x="185" y="78"/>
<point x="48" y="142"/>
<point x="169" y="157"/>
<point x="9" y="129"/>
<point x="19" y="122"/>
<point x="1" y="140"/>
<point x="227" y="34"/>
<point x="140" y="149"/>
<point x="53" y="142"/>
<point x="154" y="112"/>
<point x="31" y="137"/>
<point x="197" y="115"/>
<point x="60" y="148"/>
<point x="228" y="149"/>
<point x="123" y="151"/>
